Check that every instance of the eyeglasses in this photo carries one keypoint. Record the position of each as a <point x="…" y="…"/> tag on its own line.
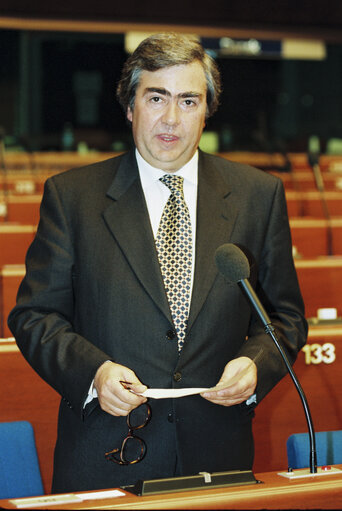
<point x="133" y="448"/>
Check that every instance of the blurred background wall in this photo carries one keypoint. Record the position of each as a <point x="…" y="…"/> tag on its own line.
<point x="281" y="63"/>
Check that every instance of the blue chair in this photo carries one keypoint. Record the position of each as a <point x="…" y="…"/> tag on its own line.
<point x="328" y="448"/>
<point x="19" y="468"/>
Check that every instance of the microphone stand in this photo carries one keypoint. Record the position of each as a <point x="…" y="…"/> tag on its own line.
<point x="269" y="329"/>
<point x="313" y="159"/>
<point x="3" y="171"/>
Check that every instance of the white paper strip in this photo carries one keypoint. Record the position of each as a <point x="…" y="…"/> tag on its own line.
<point x="107" y="494"/>
<point x="174" y="393"/>
<point x="171" y="393"/>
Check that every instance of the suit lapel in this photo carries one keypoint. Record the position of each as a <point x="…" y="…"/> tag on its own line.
<point x="216" y="215"/>
<point x="127" y="219"/>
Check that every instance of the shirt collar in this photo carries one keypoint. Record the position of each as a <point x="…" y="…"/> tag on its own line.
<point x="150" y="175"/>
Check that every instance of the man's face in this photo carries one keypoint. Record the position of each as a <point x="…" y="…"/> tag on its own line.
<point x="169" y="115"/>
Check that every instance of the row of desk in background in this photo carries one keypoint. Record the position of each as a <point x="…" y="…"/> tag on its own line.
<point x="320" y="281"/>
<point x="317" y="241"/>
<point x="315" y="219"/>
<point x="311" y="237"/>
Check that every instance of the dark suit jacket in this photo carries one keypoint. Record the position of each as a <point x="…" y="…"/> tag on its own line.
<point x="93" y="291"/>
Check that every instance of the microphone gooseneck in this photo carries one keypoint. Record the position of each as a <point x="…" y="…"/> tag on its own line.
<point x="234" y="266"/>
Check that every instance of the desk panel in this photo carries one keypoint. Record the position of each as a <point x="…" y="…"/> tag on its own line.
<point x="10" y="278"/>
<point x="309" y="236"/>
<point x="24" y="209"/>
<point x="25" y="396"/>
<point x="319" y="369"/>
<point x="310" y="203"/>
<point x="304" y="181"/>
<point x="14" y="242"/>
<point x="273" y="492"/>
<point x="320" y="281"/>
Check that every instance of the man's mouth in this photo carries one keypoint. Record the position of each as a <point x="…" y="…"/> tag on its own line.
<point x="167" y="138"/>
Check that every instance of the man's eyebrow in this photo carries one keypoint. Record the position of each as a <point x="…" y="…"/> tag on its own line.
<point x="162" y="91"/>
<point x="165" y="92"/>
<point x="190" y="94"/>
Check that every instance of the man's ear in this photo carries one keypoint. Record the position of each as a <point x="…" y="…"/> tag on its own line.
<point x="129" y="114"/>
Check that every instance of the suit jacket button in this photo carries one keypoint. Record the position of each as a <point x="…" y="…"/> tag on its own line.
<point x="170" y="334"/>
<point x="177" y="377"/>
<point x="170" y="417"/>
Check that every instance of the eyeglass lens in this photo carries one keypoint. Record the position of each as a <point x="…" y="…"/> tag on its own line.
<point x="133" y="448"/>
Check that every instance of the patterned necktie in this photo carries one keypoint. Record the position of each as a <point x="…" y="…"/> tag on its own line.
<point x="174" y="245"/>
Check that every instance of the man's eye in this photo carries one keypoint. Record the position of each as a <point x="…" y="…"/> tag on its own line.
<point x="189" y="102"/>
<point x="155" y="99"/>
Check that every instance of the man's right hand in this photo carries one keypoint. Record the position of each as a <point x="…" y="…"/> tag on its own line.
<point x="113" y="397"/>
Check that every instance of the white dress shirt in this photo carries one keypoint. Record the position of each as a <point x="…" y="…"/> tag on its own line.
<point x="156" y="195"/>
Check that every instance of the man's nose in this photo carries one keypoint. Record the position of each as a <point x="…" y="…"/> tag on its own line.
<point x="171" y="113"/>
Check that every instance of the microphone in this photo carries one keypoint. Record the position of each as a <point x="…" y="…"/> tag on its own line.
<point x="233" y="264"/>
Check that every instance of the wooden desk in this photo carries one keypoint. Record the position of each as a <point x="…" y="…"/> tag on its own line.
<point x="309" y="203"/>
<point x="22" y="183"/>
<point x="14" y="242"/>
<point x="273" y="492"/>
<point x="309" y="236"/>
<point x="10" y="278"/>
<point x="22" y="209"/>
<point x="25" y="396"/>
<point x="52" y="162"/>
<point x="278" y="416"/>
<point x="336" y="228"/>
<point x="304" y="181"/>
<point x="319" y="369"/>
<point x="320" y="280"/>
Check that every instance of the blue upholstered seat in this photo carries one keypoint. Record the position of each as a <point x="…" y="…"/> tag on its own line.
<point x="328" y="447"/>
<point x="19" y="468"/>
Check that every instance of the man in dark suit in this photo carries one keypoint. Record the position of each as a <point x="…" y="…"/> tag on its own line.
<point x="96" y="307"/>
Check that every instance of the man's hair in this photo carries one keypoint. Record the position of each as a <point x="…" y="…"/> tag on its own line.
<point x="165" y="50"/>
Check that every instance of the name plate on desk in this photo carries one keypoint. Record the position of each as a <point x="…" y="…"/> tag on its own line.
<point x="34" y="502"/>
<point x="204" y="480"/>
<point x="65" y="498"/>
<point x="305" y="472"/>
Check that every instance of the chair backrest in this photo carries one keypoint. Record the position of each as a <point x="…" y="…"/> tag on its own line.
<point x="19" y="467"/>
<point x="328" y="447"/>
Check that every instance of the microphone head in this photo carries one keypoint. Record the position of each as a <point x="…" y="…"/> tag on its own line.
<point x="232" y="262"/>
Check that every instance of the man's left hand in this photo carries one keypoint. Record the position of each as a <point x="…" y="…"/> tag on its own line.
<point x="232" y="392"/>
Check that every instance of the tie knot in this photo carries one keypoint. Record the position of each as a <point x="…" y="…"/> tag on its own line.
<point x="174" y="183"/>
